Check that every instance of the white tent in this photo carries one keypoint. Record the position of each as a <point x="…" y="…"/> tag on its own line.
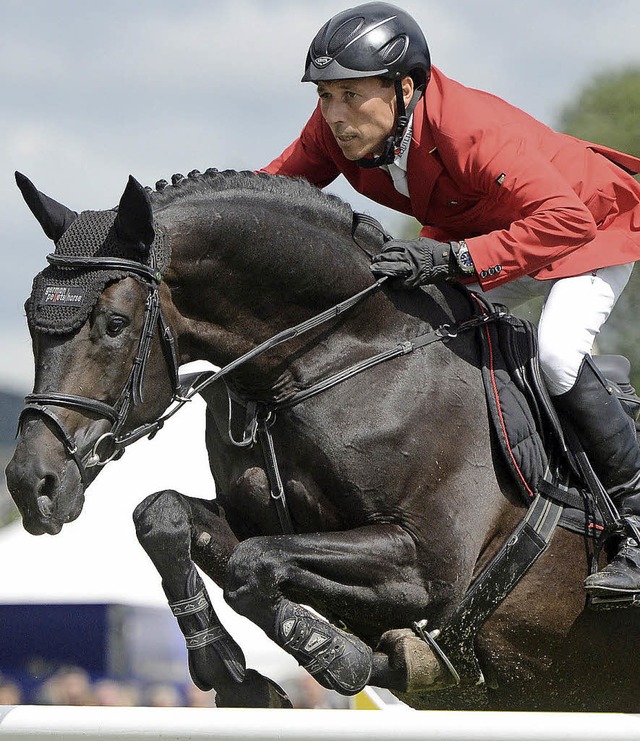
<point x="97" y="558"/>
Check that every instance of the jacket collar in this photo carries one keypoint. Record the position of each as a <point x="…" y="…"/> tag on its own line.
<point x="423" y="165"/>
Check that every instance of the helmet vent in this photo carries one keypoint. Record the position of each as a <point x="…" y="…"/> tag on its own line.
<point x="394" y="50"/>
<point x="343" y="35"/>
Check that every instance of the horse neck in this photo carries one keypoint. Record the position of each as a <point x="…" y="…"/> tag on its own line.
<point x="242" y="273"/>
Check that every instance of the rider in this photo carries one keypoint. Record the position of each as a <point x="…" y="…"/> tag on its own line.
<point x="508" y="206"/>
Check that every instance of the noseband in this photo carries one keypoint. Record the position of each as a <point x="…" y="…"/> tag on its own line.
<point x="111" y="443"/>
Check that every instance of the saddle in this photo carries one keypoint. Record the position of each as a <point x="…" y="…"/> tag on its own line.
<point x="555" y="488"/>
<point x="533" y="443"/>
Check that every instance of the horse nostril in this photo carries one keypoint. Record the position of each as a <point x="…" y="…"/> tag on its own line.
<point x="44" y="502"/>
<point x="45" y="506"/>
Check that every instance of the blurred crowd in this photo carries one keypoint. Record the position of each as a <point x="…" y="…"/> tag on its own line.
<point x="72" y="685"/>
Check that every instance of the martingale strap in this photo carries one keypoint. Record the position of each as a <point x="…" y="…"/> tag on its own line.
<point x="441" y="334"/>
<point x="261" y="417"/>
<point x="273" y="474"/>
<point x="207" y="378"/>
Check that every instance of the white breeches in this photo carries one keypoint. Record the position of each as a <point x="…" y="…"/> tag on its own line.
<point x="573" y="313"/>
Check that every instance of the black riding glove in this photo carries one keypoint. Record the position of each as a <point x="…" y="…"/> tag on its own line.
<point x="417" y="262"/>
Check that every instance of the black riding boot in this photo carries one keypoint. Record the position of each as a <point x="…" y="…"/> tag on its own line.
<point x="608" y="437"/>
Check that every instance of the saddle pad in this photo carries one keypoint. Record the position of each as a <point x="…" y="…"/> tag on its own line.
<point x="507" y="348"/>
<point x="524" y="420"/>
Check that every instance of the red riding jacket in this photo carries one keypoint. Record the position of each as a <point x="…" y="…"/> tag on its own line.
<point x="526" y="199"/>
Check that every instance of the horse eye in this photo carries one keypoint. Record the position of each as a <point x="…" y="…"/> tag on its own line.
<point x="115" y="325"/>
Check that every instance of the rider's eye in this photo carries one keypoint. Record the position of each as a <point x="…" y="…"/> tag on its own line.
<point x="115" y="325"/>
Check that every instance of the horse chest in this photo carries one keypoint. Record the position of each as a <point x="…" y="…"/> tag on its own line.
<point x="251" y="509"/>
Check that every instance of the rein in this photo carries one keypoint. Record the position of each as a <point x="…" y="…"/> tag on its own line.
<point x="208" y="377"/>
<point x="260" y="416"/>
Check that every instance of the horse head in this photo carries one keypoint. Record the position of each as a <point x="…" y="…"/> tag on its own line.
<point x="98" y="333"/>
<point x="115" y="299"/>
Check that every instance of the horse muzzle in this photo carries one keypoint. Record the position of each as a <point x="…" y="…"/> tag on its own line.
<point x="46" y="497"/>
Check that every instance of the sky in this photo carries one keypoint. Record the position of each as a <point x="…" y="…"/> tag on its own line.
<point x="91" y="92"/>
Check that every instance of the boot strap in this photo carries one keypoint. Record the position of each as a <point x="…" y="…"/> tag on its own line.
<point x="204" y="637"/>
<point x="190" y="605"/>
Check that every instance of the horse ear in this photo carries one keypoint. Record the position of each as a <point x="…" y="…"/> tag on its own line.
<point x="53" y="217"/>
<point x="134" y="222"/>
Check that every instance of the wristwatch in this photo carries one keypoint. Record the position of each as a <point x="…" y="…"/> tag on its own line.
<point x="463" y="256"/>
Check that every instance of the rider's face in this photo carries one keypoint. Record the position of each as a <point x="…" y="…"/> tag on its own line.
<point x="361" y="113"/>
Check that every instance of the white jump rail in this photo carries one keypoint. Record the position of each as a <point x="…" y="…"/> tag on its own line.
<point x="35" y="723"/>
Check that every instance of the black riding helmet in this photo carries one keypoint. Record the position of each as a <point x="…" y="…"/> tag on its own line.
<point x="373" y="40"/>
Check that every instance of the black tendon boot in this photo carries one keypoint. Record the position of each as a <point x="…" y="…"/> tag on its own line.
<point x="338" y="660"/>
<point x="209" y="645"/>
<point x="607" y="434"/>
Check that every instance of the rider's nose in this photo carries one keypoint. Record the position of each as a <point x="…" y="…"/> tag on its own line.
<point x="333" y="113"/>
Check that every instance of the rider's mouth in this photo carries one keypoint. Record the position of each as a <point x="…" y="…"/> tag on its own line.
<point x="345" y="139"/>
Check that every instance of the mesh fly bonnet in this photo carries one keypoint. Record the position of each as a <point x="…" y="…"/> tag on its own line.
<point x="63" y="297"/>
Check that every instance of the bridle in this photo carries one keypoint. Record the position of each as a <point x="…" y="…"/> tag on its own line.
<point x="114" y="442"/>
<point x="110" y="445"/>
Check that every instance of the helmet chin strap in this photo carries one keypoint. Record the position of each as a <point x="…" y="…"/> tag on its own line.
<point x="392" y="144"/>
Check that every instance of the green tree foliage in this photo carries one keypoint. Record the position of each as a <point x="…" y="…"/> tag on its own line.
<point x="607" y="111"/>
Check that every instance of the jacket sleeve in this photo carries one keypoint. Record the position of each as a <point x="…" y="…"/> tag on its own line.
<point x="307" y="157"/>
<point x="548" y="219"/>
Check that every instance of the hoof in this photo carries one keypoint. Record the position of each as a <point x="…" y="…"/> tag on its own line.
<point x="412" y="656"/>
<point x="255" y="691"/>
<point x="337" y="660"/>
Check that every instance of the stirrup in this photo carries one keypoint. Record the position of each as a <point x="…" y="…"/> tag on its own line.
<point x="622" y="601"/>
<point x="620" y="585"/>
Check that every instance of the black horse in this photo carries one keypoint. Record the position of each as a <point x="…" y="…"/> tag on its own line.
<point x="389" y="495"/>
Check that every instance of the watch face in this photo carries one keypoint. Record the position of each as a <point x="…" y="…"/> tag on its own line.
<point x="464" y="259"/>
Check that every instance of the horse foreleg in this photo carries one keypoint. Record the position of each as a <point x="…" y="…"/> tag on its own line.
<point x="367" y="577"/>
<point x="170" y="527"/>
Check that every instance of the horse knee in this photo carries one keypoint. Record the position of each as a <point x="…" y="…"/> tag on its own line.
<point x="255" y="572"/>
<point x="161" y="516"/>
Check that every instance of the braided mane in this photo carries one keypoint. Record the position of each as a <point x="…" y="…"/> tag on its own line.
<point x="246" y="180"/>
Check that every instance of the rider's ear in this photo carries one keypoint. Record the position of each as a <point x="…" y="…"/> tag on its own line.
<point x="53" y="217"/>
<point x="134" y="222"/>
